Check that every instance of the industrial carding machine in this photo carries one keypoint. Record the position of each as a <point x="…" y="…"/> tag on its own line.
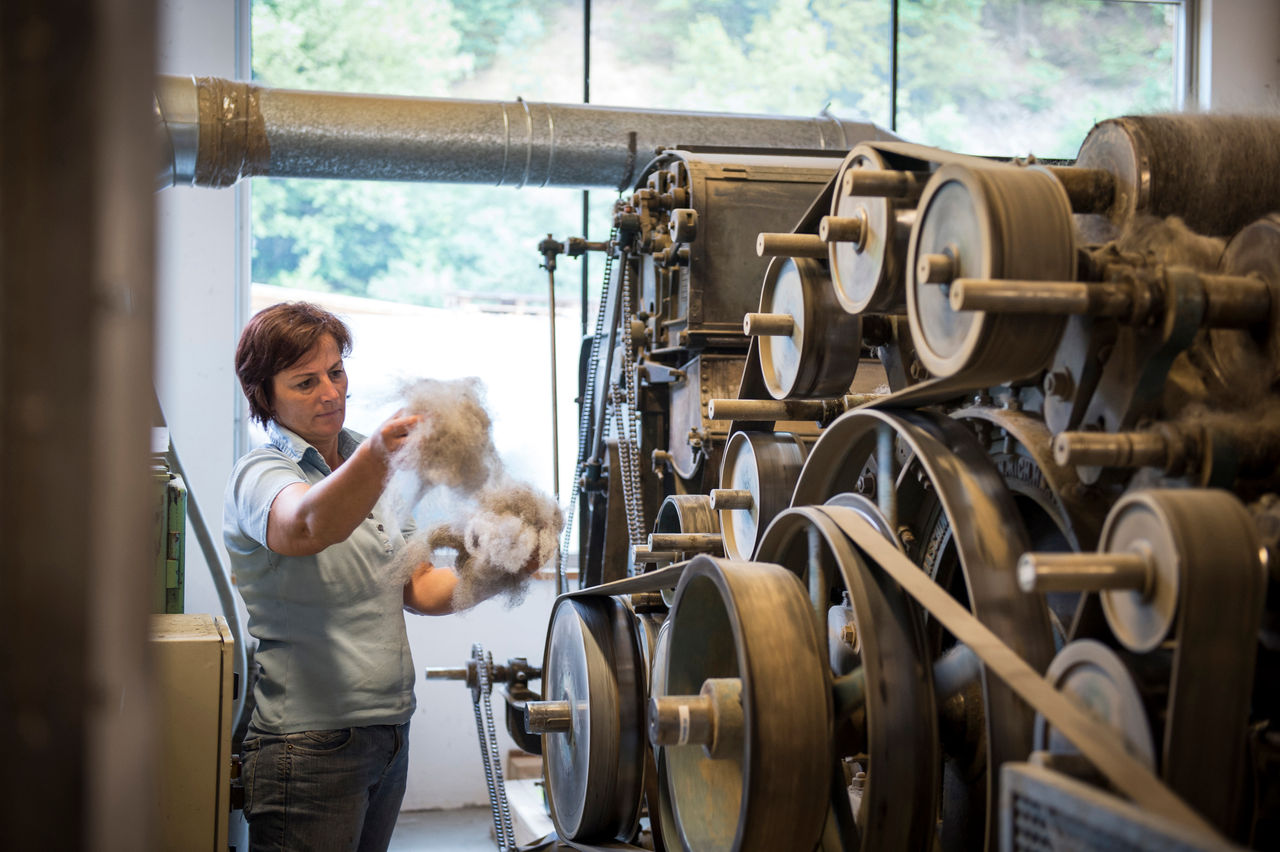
<point x="923" y="499"/>
<point x="927" y="501"/>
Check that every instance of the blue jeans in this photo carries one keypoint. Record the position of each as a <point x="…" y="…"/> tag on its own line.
<point x="324" y="791"/>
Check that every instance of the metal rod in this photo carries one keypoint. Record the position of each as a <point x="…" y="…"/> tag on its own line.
<point x="843" y="229"/>
<point x="686" y="542"/>
<point x="1111" y="449"/>
<point x="884" y="183"/>
<point x="756" y="325"/>
<point x="1088" y="190"/>
<point x="643" y="555"/>
<point x="936" y="268"/>
<point x="820" y="410"/>
<point x="886" y="475"/>
<point x="893" y="65"/>
<point x="555" y="411"/>
<point x="1040" y="297"/>
<point x="548" y="717"/>
<point x="440" y="673"/>
<point x="730" y="499"/>
<point x="817" y="576"/>
<point x="790" y="245"/>
<point x="1236" y="301"/>
<point x="1084" y="572"/>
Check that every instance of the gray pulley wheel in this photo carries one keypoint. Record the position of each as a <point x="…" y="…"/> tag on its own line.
<point x="867" y="275"/>
<point x="894" y="733"/>
<point x="766" y="465"/>
<point x="750" y="624"/>
<point x="819" y="355"/>
<point x="1000" y="222"/>
<point x="976" y="527"/>
<point x="1097" y="678"/>
<point x="595" y="770"/>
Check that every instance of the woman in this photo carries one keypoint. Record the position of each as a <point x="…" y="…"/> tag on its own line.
<point x="312" y="546"/>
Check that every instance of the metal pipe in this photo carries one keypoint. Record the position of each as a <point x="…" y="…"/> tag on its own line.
<point x="219" y="131"/>
<point x="790" y="245"/>
<point x="1075" y="572"/>
<point x="686" y="542"/>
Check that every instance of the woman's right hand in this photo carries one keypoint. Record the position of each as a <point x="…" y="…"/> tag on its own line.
<point x="392" y="434"/>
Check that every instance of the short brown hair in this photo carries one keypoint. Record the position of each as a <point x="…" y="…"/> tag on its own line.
<point x="275" y="339"/>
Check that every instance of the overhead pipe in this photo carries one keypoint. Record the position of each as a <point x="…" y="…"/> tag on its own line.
<point x="216" y="131"/>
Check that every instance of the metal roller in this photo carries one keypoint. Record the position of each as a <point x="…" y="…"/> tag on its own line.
<point x="816" y="354"/>
<point x="868" y="268"/>
<point x="594" y="762"/>
<point x="748" y="628"/>
<point x="766" y="465"/>
<point x="998" y="222"/>
<point x="1216" y="172"/>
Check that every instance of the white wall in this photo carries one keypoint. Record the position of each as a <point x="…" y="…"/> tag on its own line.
<point x="1239" y="61"/>
<point x="197" y="313"/>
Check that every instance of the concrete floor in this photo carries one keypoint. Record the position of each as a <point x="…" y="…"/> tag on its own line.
<point x="462" y="830"/>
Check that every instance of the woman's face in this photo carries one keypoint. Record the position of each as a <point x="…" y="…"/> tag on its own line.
<point x="310" y="397"/>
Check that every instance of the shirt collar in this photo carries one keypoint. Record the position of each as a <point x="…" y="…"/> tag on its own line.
<point x="295" y="447"/>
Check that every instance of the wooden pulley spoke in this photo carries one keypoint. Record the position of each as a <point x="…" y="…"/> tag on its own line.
<point x="998" y="222"/>
<point x="965" y="531"/>
<point x="765" y="466"/>
<point x="594" y="764"/>
<point x="892" y="732"/>
<point x="809" y="346"/>
<point x="746" y="709"/>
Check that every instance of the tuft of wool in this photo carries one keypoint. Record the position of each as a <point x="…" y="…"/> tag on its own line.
<point x="500" y="529"/>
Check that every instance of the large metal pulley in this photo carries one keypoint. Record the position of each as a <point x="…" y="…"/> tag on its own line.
<point x="592" y="719"/>
<point x="930" y="474"/>
<point x="884" y="708"/>
<point x="984" y="223"/>
<point x="743" y="717"/>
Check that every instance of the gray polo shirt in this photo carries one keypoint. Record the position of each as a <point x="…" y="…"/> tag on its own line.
<point x="332" y="652"/>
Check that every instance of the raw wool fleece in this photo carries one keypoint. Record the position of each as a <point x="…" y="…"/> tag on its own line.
<point x="496" y="524"/>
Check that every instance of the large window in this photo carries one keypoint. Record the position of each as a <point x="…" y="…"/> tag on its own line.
<point x="444" y="280"/>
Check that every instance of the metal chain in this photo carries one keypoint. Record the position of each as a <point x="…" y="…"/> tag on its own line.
<point x="629" y="435"/>
<point x="626" y="462"/>
<point x="503" y="830"/>
<point x="584" y="418"/>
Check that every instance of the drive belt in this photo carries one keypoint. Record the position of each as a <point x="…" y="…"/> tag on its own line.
<point x="1101" y="745"/>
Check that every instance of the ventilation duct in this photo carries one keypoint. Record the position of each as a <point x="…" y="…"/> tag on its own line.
<point x="215" y="132"/>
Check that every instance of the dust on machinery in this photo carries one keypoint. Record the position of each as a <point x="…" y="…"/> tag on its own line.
<point x="926" y="501"/>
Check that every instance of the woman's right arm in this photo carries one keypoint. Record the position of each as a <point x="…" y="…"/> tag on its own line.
<point x="305" y="519"/>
